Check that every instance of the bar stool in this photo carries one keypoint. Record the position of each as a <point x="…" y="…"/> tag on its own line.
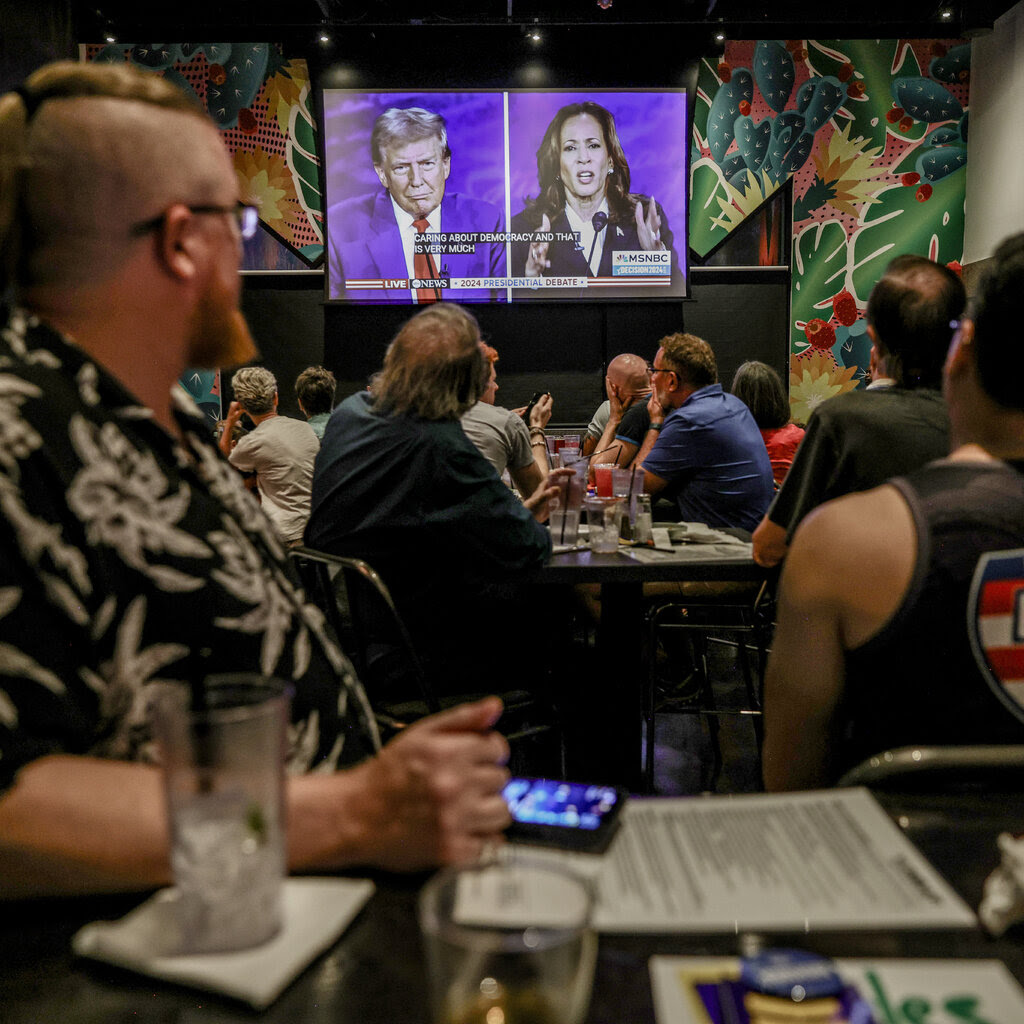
<point x="739" y="620"/>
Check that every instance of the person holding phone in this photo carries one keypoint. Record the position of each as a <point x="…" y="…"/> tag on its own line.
<point x="509" y="439"/>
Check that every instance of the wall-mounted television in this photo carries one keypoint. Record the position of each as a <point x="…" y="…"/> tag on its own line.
<point x="505" y="196"/>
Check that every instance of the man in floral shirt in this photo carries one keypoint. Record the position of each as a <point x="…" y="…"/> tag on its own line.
<point x="130" y="552"/>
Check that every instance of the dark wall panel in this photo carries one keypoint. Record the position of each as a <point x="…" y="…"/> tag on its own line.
<point x="743" y="315"/>
<point x="285" y="314"/>
<point x="561" y="348"/>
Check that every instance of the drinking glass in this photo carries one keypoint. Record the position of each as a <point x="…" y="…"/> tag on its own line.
<point x="603" y="479"/>
<point x="564" y="515"/>
<point x="509" y="941"/>
<point x="223" y="772"/>
<point x="604" y="519"/>
<point x="622" y="479"/>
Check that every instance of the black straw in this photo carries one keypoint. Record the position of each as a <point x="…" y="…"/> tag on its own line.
<point x="583" y="458"/>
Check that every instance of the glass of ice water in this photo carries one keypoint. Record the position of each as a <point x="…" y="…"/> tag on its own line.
<point x="222" y="756"/>
<point x="604" y="518"/>
<point x="564" y="519"/>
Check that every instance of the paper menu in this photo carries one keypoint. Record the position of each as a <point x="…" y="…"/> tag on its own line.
<point x="690" y="990"/>
<point x="830" y="859"/>
<point x="737" y="550"/>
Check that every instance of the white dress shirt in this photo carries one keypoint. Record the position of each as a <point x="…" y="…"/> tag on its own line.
<point x="404" y="221"/>
<point x="587" y="233"/>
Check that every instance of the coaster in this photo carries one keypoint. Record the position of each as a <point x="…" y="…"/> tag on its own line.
<point x="316" y="912"/>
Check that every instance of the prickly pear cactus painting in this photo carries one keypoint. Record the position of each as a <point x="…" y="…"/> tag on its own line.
<point x="873" y="135"/>
<point x="263" y="105"/>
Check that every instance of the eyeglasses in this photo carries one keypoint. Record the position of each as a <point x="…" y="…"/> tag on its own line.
<point x="246" y="217"/>
<point x="659" y="369"/>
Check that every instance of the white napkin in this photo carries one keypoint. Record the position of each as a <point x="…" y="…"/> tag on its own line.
<point x="1002" y="900"/>
<point x="581" y="542"/>
<point x="700" y="533"/>
<point x="316" y="912"/>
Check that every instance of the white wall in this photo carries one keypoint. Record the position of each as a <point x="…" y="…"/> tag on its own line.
<point x="995" y="141"/>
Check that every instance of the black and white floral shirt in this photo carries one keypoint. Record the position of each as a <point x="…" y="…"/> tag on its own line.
<point x="128" y="559"/>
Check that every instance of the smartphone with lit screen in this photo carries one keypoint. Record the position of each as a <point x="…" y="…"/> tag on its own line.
<point x="578" y="816"/>
<point x="537" y="396"/>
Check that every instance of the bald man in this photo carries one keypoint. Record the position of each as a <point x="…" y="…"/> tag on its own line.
<point x="628" y="378"/>
<point x="130" y="552"/>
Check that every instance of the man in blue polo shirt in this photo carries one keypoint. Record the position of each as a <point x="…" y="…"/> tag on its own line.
<point x="703" y="449"/>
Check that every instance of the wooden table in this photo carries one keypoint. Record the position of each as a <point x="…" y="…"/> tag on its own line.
<point x="615" y="705"/>
<point x="375" y="972"/>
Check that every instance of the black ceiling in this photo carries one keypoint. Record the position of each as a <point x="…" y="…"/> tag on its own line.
<point x="164" y="19"/>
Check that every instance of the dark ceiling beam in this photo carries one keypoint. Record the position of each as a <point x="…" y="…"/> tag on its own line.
<point x="747" y="19"/>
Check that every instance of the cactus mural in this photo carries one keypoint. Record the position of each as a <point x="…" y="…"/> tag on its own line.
<point x="873" y="136"/>
<point x="263" y="105"/>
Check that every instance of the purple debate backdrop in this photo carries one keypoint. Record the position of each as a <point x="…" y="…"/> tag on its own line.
<point x="476" y="136"/>
<point x="652" y="130"/>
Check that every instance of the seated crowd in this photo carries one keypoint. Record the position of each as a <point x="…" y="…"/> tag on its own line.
<point x="115" y="505"/>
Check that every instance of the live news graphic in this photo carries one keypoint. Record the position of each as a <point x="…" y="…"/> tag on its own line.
<point x="415" y="216"/>
<point x="629" y="268"/>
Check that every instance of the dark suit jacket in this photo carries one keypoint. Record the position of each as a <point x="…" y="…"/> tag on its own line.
<point x="569" y="261"/>
<point x="365" y="243"/>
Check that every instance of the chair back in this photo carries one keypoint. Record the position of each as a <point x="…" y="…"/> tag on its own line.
<point x="370" y="629"/>
<point x="363" y="614"/>
<point x="995" y="767"/>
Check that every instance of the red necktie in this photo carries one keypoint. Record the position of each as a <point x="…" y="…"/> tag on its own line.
<point x="423" y="266"/>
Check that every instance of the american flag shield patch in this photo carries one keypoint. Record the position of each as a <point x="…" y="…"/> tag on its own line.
<point x="995" y="624"/>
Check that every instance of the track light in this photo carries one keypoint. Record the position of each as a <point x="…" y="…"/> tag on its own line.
<point x="324" y="34"/>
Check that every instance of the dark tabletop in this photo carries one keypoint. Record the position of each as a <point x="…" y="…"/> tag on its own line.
<point x="375" y="971"/>
<point x="727" y="562"/>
